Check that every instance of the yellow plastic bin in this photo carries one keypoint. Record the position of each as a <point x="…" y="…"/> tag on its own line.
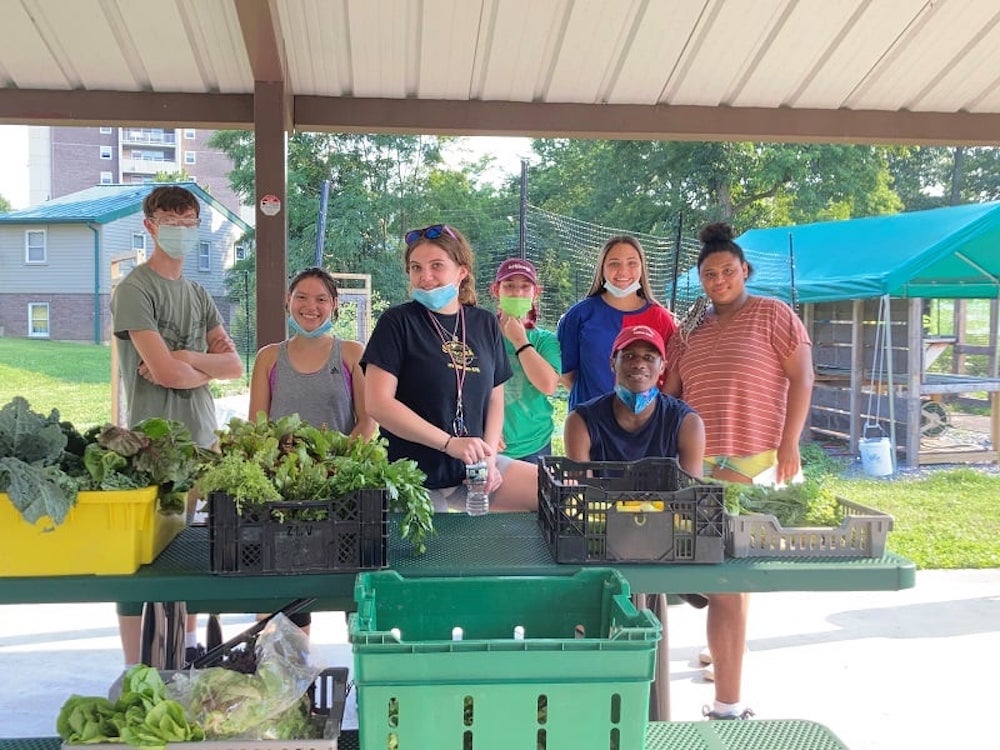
<point x="104" y="533"/>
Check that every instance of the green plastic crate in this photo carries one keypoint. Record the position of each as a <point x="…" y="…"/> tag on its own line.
<point x="579" y="679"/>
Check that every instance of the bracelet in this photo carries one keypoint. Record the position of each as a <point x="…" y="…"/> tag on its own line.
<point x="446" y="444"/>
<point x="529" y="345"/>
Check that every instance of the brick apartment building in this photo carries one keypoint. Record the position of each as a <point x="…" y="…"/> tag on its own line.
<point x="65" y="160"/>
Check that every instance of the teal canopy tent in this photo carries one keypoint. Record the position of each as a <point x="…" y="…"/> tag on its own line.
<point x="951" y="252"/>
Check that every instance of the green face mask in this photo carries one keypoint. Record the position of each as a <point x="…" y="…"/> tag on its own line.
<point x="516" y="307"/>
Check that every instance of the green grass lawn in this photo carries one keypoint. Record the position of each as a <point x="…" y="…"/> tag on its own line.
<point x="73" y="378"/>
<point x="950" y="519"/>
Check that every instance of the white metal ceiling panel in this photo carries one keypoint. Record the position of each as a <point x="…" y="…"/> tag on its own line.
<point x="970" y="82"/>
<point x="378" y="31"/>
<point x="446" y="49"/>
<point x="317" y="46"/>
<point x="25" y="60"/>
<point x="806" y="30"/>
<point x="661" y="35"/>
<point x="857" y="54"/>
<point x="524" y="38"/>
<point x="937" y="40"/>
<point x="593" y="44"/>
<point x="217" y="43"/>
<point x="164" y="48"/>
<point x="724" y="42"/>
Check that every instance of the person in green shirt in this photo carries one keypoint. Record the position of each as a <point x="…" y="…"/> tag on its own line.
<point x="534" y="358"/>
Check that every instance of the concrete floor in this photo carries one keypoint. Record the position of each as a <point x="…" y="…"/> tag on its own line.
<point x="884" y="670"/>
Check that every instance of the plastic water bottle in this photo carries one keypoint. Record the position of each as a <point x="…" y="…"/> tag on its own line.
<point x="477" y="501"/>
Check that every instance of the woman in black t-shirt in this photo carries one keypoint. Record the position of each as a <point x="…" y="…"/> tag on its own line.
<point x="435" y="369"/>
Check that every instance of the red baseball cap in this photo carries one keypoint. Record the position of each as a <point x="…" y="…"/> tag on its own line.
<point x="515" y="266"/>
<point x="631" y="334"/>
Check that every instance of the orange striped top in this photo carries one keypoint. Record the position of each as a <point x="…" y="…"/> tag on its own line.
<point x="732" y="375"/>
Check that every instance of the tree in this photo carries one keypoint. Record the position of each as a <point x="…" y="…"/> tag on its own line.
<point x="933" y="176"/>
<point x="643" y="185"/>
<point x="4" y="205"/>
<point x="380" y="186"/>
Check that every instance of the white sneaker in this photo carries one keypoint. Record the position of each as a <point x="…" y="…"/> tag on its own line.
<point x="708" y="673"/>
<point x="705" y="656"/>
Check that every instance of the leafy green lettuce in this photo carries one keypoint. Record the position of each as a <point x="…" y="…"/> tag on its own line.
<point x="31" y="447"/>
<point x="143" y="716"/>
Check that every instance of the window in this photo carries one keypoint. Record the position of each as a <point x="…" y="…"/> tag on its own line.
<point x="188" y="134"/>
<point x="204" y="258"/>
<point x="106" y="178"/>
<point x="105" y="131"/>
<point x="240" y="252"/>
<point x="190" y="157"/>
<point x="139" y="246"/>
<point x="34" y="246"/>
<point x="105" y="152"/>
<point x="143" y="155"/>
<point x="38" y="319"/>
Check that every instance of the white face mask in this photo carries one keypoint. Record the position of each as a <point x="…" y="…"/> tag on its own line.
<point x="619" y="292"/>
<point x="177" y="241"/>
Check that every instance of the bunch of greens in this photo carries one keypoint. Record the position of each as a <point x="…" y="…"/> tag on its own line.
<point x="31" y="449"/>
<point x="158" y="451"/>
<point x="44" y="463"/>
<point x="804" y="504"/>
<point x="260" y="462"/>
<point x="142" y="716"/>
<point x="269" y="703"/>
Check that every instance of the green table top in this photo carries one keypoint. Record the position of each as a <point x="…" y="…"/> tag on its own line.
<point x="499" y="544"/>
<point x="792" y="734"/>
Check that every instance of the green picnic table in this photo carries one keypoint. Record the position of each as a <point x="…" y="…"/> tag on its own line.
<point x="769" y="734"/>
<point x="502" y="544"/>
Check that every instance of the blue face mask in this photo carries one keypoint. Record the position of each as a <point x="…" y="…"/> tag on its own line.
<point x="177" y="241"/>
<point x="300" y="331"/>
<point x="435" y="299"/>
<point x="636" y="401"/>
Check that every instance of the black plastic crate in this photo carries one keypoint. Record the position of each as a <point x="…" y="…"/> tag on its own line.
<point x="351" y="534"/>
<point x="640" y="511"/>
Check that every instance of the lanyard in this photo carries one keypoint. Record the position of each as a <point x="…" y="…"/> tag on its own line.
<point x="449" y="347"/>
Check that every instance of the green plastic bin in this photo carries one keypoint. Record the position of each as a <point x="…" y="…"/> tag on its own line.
<point x="579" y="678"/>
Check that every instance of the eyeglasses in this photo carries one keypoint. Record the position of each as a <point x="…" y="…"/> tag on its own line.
<point x="177" y="222"/>
<point x="431" y="233"/>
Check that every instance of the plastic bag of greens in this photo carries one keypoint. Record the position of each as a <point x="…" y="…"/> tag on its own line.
<point x="267" y="704"/>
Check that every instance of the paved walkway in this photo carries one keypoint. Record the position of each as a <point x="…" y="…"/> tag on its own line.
<point x="884" y="670"/>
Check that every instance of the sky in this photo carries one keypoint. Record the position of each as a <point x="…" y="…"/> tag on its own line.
<point x="507" y="153"/>
<point x="14" y="164"/>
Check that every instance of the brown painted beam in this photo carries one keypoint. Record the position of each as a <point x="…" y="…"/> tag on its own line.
<point x="632" y="121"/>
<point x="43" y="107"/>
<point x="446" y="117"/>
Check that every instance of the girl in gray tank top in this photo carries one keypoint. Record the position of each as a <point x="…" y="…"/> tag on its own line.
<point x="320" y="398"/>
<point x="312" y="373"/>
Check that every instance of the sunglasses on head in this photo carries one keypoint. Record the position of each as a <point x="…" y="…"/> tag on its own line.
<point x="431" y="233"/>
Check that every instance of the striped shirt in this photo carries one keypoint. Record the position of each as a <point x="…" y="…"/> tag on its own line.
<point x="733" y="377"/>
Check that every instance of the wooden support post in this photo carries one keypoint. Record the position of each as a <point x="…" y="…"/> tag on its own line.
<point x="959" y="326"/>
<point x="857" y="372"/>
<point x="914" y="378"/>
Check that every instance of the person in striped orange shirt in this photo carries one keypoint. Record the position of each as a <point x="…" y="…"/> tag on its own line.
<point x="746" y="368"/>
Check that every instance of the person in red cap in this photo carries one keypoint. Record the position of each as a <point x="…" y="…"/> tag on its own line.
<point x="620" y="295"/>
<point x="638" y="421"/>
<point x="534" y="360"/>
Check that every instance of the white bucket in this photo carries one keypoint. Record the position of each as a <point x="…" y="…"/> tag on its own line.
<point x="876" y="456"/>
